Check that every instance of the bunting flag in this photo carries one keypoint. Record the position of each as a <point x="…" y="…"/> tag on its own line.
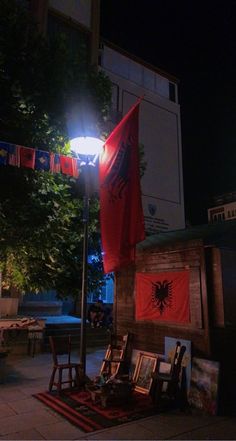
<point x="163" y="296"/>
<point x="27" y="157"/>
<point x="66" y="165"/>
<point x="55" y="165"/>
<point x="121" y="214"/>
<point x="17" y="155"/>
<point x="75" y="167"/>
<point x="42" y="160"/>
<point x="3" y="153"/>
<point x="13" y="155"/>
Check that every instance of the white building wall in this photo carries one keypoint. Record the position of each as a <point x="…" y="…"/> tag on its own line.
<point x="159" y="132"/>
<point x="222" y="212"/>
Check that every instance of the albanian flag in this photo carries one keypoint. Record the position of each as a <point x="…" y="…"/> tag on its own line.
<point x="27" y="157"/>
<point x="163" y="296"/>
<point x="121" y="214"/>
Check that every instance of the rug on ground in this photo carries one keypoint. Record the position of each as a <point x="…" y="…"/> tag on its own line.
<point x="78" y="408"/>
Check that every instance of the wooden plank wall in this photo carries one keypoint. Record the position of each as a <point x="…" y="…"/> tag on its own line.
<point x="149" y="335"/>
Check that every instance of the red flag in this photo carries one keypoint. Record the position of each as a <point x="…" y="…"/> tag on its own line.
<point x="163" y="296"/>
<point x="27" y="157"/>
<point x="66" y="165"/>
<point x="75" y="167"/>
<point x="121" y="214"/>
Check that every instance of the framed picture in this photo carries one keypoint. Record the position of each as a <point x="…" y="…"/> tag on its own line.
<point x="204" y="385"/>
<point x="145" y="366"/>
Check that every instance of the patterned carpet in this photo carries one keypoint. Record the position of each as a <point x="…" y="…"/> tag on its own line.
<point x="78" y="408"/>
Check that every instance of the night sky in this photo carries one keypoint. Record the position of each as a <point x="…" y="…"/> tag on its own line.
<point x="196" y="42"/>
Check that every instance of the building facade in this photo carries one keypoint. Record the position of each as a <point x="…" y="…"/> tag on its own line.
<point x="224" y="208"/>
<point x="160" y="125"/>
<point x="159" y="133"/>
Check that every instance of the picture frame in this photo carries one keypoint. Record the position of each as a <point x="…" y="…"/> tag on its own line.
<point x="204" y="386"/>
<point x="145" y="366"/>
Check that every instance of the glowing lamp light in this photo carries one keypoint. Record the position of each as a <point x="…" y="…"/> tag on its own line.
<point x="87" y="145"/>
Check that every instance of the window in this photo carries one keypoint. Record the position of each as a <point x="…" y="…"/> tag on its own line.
<point x="77" y="40"/>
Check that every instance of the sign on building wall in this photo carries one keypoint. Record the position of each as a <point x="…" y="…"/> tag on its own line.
<point x="162" y="186"/>
<point x="160" y="134"/>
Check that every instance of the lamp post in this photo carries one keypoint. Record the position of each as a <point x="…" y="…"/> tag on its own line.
<point x="90" y="148"/>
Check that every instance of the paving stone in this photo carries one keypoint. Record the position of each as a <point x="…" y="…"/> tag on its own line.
<point x="169" y="425"/>
<point x="132" y="431"/>
<point x="24" y="435"/>
<point x="222" y="430"/>
<point x="5" y="410"/>
<point x="26" y="421"/>
<point x="26" y="405"/>
<point x="11" y="394"/>
<point x="60" y="431"/>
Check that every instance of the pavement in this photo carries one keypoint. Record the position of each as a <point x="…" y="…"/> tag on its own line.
<point x="22" y="417"/>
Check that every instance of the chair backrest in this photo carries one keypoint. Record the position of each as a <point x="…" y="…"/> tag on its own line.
<point x="60" y="346"/>
<point x="177" y="360"/>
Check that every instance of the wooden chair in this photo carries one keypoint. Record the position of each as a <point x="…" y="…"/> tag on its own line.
<point x="62" y="346"/>
<point x="116" y="361"/>
<point x="172" y="378"/>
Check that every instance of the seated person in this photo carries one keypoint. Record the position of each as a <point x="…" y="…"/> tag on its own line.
<point x="96" y="314"/>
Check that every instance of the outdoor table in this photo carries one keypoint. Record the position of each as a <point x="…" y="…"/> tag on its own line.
<point x="32" y="327"/>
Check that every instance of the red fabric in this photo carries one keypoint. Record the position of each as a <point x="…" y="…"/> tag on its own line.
<point x="66" y="165"/>
<point x="121" y="214"/>
<point x="27" y="157"/>
<point x="55" y="166"/>
<point x="75" y="167"/>
<point x="163" y="296"/>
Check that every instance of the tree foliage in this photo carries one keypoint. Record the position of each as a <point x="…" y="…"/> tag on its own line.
<point x="41" y="229"/>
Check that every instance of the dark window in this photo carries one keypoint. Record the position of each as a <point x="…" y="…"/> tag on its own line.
<point x="172" y="92"/>
<point x="78" y="42"/>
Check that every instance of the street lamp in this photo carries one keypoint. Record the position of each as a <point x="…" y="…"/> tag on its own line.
<point x="89" y="148"/>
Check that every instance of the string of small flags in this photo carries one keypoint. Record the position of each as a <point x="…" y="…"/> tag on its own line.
<point x="20" y="156"/>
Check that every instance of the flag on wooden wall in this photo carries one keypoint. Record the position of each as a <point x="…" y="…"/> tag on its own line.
<point x="163" y="296"/>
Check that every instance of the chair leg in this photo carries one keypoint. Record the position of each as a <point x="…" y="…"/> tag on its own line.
<point x="157" y="392"/>
<point x="77" y="376"/>
<point x="52" y="379"/>
<point x="59" y="384"/>
<point x="70" y="376"/>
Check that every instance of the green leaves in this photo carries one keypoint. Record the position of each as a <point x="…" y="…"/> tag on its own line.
<point x="41" y="228"/>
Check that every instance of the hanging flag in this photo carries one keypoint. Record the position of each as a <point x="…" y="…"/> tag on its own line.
<point x="42" y="160"/>
<point x="3" y="153"/>
<point x="13" y="155"/>
<point x="55" y="165"/>
<point x="66" y="165"/>
<point x="27" y="157"/>
<point x="75" y="167"/>
<point x="121" y="214"/>
<point x="163" y="296"/>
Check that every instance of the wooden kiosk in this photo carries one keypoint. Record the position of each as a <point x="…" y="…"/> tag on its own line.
<point x="208" y="252"/>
